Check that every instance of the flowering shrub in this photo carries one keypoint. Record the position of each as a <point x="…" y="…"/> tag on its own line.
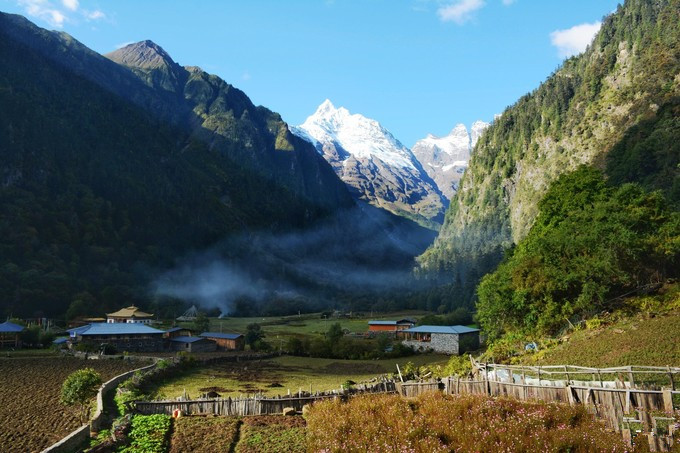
<point x="440" y="423"/>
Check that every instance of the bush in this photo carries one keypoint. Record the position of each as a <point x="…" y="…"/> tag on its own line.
<point x="79" y="388"/>
<point x="589" y="245"/>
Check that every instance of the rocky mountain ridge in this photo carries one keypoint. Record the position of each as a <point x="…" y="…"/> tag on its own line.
<point x="446" y="158"/>
<point x="415" y="183"/>
<point x="376" y="167"/>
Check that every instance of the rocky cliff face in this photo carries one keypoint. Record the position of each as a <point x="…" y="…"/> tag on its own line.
<point x="375" y="165"/>
<point x="594" y="103"/>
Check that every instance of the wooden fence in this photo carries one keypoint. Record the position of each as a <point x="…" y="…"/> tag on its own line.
<point x="624" y="410"/>
<point x="640" y="377"/>
<point x="256" y="404"/>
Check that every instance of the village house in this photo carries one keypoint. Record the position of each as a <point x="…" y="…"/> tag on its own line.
<point x="390" y="326"/>
<point x="130" y="315"/>
<point x="192" y="344"/>
<point x="175" y="332"/>
<point x="10" y="335"/>
<point x="226" y="341"/>
<point x="124" y="336"/>
<point x="443" y="339"/>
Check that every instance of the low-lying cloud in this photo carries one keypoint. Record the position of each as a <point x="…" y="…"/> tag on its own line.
<point x="349" y="254"/>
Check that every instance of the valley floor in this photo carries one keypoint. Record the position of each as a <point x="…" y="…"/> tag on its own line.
<point x="278" y="375"/>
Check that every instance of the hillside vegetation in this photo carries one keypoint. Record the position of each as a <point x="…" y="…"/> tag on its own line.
<point x="614" y="106"/>
<point x="591" y="245"/>
<point x="637" y="340"/>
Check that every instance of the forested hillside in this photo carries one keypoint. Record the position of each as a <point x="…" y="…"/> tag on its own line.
<point x="614" y="106"/>
<point x="591" y="245"/>
<point x="93" y="187"/>
<point x="113" y="177"/>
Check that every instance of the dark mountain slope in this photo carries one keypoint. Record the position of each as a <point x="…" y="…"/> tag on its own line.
<point x="110" y="180"/>
<point x="92" y="188"/>
<point x="202" y="104"/>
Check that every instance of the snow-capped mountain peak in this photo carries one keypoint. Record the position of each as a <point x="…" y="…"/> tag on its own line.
<point x="478" y="127"/>
<point x="361" y="137"/>
<point x="446" y="158"/>
<point x="376" y="166"/>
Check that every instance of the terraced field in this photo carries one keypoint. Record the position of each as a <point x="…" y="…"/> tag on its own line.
<point x="31" y="416"/>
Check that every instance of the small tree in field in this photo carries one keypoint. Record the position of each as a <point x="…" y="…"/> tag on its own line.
<point x="79" y="388"/>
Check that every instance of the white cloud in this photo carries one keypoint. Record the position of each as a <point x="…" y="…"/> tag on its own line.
<point x="70" y="4"/>
<point x="57" y="12"/>
<point x="460" y="11"/>
<point x="508" y="2"/>
<point x="124" y="44"/>
<point x="574" y="40"/>
<point x="95" y="15"/>
<point x="44" y="10"/>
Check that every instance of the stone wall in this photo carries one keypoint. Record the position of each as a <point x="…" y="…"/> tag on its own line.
<point x="72" y="442"/>
<point x="445" y="343"/>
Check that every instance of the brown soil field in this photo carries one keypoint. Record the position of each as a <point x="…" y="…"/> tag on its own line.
<point x="204" y="434"/>
<point x="261" y="434"/>
<point x="31" y="416"/>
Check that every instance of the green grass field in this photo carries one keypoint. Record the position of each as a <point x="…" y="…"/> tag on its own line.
<point x="277" y="376"/>
<point x="282" y="327"/>
<point x="639" y="340"/>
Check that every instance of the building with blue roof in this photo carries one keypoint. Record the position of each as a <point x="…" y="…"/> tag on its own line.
<point x="226" y="341"/>
<point x="444" y="339"/>
<point x="10" y="335"/>
<point x="132" y="337"/>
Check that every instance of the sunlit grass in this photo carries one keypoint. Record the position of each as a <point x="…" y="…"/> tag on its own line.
<point x="289" y="373"/>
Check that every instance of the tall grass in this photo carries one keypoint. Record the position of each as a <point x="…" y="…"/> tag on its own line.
<point x="440" y="423"/>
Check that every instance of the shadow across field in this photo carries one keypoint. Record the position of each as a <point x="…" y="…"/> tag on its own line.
<point x="277" y="376"/>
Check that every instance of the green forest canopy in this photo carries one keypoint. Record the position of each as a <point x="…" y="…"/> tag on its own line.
<point x="591" y="243"/>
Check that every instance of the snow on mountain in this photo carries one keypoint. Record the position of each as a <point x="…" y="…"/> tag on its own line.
<point x="445" y="158"/>
<point x="373" y="163"/>
<point x="362" y="137"/>
<point x="476" y="131"/>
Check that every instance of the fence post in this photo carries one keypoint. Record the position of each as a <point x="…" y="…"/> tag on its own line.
<point x="570" y="395"/>
<point x="631" y="378"/>
<point x="668" y="401"/>
<point x="670" y="375"/>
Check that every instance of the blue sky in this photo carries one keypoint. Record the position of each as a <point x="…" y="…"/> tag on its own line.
<point x="417" y="66"/>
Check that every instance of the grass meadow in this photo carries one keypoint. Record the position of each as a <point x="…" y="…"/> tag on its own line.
<point x="278" y="375"/>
